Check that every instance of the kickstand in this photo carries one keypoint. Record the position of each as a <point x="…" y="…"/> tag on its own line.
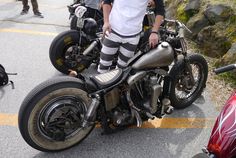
<point x="11" y="82"/>
<point x="12" y="85"/>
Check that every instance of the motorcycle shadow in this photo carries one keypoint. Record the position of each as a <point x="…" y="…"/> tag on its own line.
<point x="2" y="92"/>
<point x="151" y="141"/>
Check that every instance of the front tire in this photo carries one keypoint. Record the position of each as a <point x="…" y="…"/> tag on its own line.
<point x="182" y="93"/>
<point x="51" y="115"/>
<point x="73" y="23"/>
<point x="65" y="52"/>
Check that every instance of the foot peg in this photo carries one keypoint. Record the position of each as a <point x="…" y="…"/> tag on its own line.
<point x="150" y="115"/>
<point x="169" y="109"/>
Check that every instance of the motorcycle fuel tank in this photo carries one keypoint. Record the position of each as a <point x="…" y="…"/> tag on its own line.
<point x="162" y="55"/>
<point x="222" y="142"/>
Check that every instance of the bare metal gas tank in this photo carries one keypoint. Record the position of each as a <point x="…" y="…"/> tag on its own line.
<point x="161" y="56"/>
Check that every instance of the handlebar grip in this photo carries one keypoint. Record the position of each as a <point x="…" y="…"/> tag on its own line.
<point x="225" y="68"/>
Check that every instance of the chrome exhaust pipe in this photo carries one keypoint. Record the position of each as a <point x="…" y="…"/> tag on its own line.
<point x="155" y="93"/>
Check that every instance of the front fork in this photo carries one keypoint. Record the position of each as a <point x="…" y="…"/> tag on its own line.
<point x="189" y="72"/>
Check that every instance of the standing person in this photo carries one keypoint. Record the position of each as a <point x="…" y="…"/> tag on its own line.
<point x="35" y="8"/>
<point x="122" y="27"/>
<point x="95" y="4"/>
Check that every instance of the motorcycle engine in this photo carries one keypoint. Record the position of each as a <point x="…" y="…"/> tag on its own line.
<point x="146" y="93"/>
<point x="112" y="99"/>
<point x="118" y="111"/>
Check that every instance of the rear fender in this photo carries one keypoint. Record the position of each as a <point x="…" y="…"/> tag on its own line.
<point x="89" y="85"/>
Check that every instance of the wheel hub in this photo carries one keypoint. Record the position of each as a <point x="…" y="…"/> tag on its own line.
<point x="185" y="83"/>
<point x="71" y="56"/>
<point x="61" y="117"/>
<point x="185" y="86"/>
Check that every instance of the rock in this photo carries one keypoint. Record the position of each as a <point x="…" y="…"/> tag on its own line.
<point x="193" y="7"/>
<point x="175" y="9"/>
<point x="232" y="50"/>
<point x="213" y="41"/>
<point x="229" y="57"/>
<point x="217" y="13"/>
<point x="196" y="24"/>
<point x="170" y="12"/>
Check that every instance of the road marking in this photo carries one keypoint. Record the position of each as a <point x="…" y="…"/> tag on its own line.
<point x="12" y="120"/>
<point x="180" y="123"/>
<point x="34" y="23"/>
<point x="8" y="119"/>
<point x="7" y="1"/>
<point x="29" y="32"/>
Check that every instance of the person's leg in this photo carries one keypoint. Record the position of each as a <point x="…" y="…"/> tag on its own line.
<point x="110" y="46"/>
<point x="36" y="8"/>
<point x="127" y="50"/>
<point x="25" y="7"/>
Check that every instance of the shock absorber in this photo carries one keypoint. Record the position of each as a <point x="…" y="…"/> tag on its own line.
<point x="91" y="47"/>
<point x="91" y="113"/>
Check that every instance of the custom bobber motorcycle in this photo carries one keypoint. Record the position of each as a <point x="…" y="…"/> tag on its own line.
<point x="222" y="141"/>
<point x="61" y="112"/>
<point x="90" y="13"/>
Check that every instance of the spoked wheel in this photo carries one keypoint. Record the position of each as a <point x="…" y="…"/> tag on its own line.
<point x="188" y="82"/>
<point x="66" y="52"/>
<point x="184" y="86"/>
<point x="73" y="59"/>
<point x="51" y="116"/>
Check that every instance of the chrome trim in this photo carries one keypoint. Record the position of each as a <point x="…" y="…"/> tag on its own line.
<point x="134" y="78"/>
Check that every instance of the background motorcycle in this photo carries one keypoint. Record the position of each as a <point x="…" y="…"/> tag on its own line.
<point x="62" y="111"/>
<point x="90" y="13"/>
<point x="222" y="142"/>
<point x="78" y="49"/>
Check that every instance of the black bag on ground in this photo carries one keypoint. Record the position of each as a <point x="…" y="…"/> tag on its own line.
<point x="3" y="76"/>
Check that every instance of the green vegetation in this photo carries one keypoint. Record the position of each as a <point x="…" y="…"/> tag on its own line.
<point x="231" y="29"/>
<point x="228" y="77"/>
<point x="181" y="14"/>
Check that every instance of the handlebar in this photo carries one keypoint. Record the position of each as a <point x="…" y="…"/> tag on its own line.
<point x="180" y="26"/>
<point x="225" y="69"/>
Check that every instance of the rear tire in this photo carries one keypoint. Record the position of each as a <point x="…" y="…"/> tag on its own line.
<point x="53" y="98"/>
<point x="179" y="78"/>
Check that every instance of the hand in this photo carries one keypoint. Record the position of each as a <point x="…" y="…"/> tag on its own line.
<point x="106" y="29"/>
<point x="72" y="73"/>
<point x="153" y="40"/>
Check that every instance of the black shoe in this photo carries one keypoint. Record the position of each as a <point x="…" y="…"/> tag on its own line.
<point x="38" y="14"/>
<point x="24" y="11"/>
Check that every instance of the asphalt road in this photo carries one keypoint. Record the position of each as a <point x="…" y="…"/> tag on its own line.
<point x="24" y="45"/>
